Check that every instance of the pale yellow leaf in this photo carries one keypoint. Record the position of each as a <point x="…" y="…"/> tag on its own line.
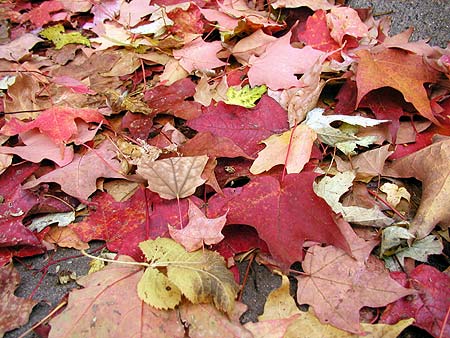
<point x="175" y="177"/>
<point x="157" y="290"/>
<point x="201" y="276"/>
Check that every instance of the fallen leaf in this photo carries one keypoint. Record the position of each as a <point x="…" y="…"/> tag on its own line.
<point x="331" y="190"/>
<point x="108" y="305"/>
<point x="317" y="34"/>
<point x="201" y="276"/>
<point x="368" y="164"/>
<point x="58" y="123"/>
<point x="407" y="74"/>
<point x="310" y="326"/>
<point x="245" y="127"/>
<point x="337" y="287"/>
<point x="313" y="4"/>
<point x="57" y="35"/>
<point x="289" y="61"/>
<point x="38" y="147"/>
<point x="40" y="15"/>
<point x="14" y="311"/>
<point x="292" y="148"/>
<point x="428" y="306"/>
<point x="205" y="143"/>
<point x="199" y="55"/>
<point x="344" y="140"/>
<point x="78" y="178"/>
<point x="204" y="320"/>
<point x="394" y="193"/>
<point x="285" y="215"/>
<point x="172" y="99"/>
<point x="345" y="21"/>
<point x="174" y="177"/>
<point x="429" y="165"/>
<point x="199" y="231"/>
<point x="62" y="219"/>
<point x="66" y="238"/>
<point x="254" y="44"/>
<point x="246" y="96"/>
<point x="18" y="48"/>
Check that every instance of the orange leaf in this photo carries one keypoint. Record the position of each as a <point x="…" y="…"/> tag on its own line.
<point x="400" y="70"/>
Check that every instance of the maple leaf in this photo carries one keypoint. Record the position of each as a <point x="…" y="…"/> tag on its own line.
<point x="205" y="143"/>
<point x="172" y="99"/>
<point x="254" y="44"/>
<point x="386" y="104"/>
<point x="284" y="215"/>
<point x="313" y="4"/>
<point x="110" y="297"/>
<point x="345" y="21"/>
<point x="17" y="202"/>
<point x="429" y="165"/>
<point x="175" y="177"/>
<point x="40" y="15"/>
<point x="14" y="311"/>
<point x="406" y="72"/>
<point x="288" y="61"/>
<point x="60" y="39"/>
<point x="245" y="127"/>
<point x="199" y="55"/>
<point x="18" y="48"/>
<point x="199" y="231"/>
<point x="317" y="35"/>
<point x="428" y="306"/>
<point x="78" y="178"/>
<point x="292" y="148"/>
<point x="39" y="146"/>
<point x="200" y="275"/>
<point x="65" y="238"/>
<point x="337" y="287"/>
<point x="58" y="123"/>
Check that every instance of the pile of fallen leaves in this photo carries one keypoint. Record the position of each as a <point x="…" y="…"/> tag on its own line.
<point x="183" y="134"/>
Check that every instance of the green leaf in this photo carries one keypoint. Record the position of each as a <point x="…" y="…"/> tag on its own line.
<point x="60" y="39"/>
<point x="201" y="276"/>
<point x="245" y="97"/>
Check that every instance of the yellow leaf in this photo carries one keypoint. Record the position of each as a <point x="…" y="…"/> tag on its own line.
<point x="60" y="39"/>
<point x="245" y="96"/>
<point x="201" y="276"/>
<point x="278" y="146"/>
<point x="175" y="177"/>
<point x="157" y="290"/>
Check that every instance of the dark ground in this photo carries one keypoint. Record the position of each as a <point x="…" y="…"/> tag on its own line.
<point x="430" y="19"/>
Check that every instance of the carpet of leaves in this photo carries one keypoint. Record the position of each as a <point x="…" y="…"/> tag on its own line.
<point x="188" y="136"/>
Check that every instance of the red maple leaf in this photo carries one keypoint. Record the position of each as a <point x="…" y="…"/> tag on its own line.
<point x="428" y="306"/>
<point x="317" y="34"/>
<point x="245" y="127"/>
<point x="17" y="202"/>
<point x="172" y="99"/>
<point x="40" y="15"/>
<point x="58" y="123"/>
<point x="285" y="215"/>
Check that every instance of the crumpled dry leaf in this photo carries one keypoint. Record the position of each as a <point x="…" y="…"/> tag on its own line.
<point x="332" y="188"/>
<point x="175" y="177"/>
<point x="344" y="140"/>
<point x="429" y="165"/>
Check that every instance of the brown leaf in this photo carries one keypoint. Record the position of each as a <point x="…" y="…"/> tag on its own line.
<point x="14" y="311"/>
<point x="65" y="237"/>
<point x="200" y="230"/>
<point x="175" y="177"/>
<point x="429" y="165"/>
<point x="337" y="287"/>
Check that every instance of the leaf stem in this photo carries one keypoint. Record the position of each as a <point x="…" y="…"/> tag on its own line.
<point x="114" y="261"/>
